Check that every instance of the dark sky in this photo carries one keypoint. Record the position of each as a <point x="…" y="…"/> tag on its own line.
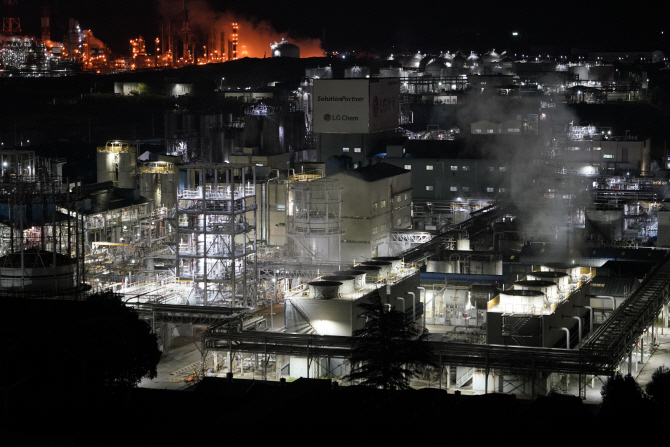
<point x="417" y="24"/>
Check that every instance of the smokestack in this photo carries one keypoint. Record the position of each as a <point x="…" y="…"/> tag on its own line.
<point x="233" y="52"/>
<point x="11" y="24"/>
<point x="46" y="29"/>
<point x="223" y="46"/>
<point x="185" y="31"/>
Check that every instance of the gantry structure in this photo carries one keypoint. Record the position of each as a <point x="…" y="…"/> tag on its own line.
<point x="216" y="233"/>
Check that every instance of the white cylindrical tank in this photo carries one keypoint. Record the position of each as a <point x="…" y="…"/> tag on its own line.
<point x="560" y="278"/>
<point x="359" y="277"/>
<point x="548" y="288"/>
<point x="324" y="290"/>
<point x="168" y="196"/>
<point x="106" y="169"/>
<point x="522" y="301"/>
<point x="347" y="282"/>
<point x="371" y="272"/>
<point x="385" y="268"/>
<point x="39" y="274"/>
<point x="149" y="186"/>
<point x="463" y="244"/>
<point x="396" y="263"/>
<point x="127" y="165"/>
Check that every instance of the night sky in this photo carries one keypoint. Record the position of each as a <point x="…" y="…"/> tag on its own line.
<point x="356" y="24"/>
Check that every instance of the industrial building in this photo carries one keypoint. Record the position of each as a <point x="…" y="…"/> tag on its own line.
<point x="270" y="225"/>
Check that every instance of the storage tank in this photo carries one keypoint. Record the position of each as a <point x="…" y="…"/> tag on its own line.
<point x="605" y="224"/>
<point x="324" y="290"/>
<point x="372" y="272"/>
<point x="127" y="167"/>
<point x="548" y="288"/>
<point x="359" y="277"/>
<point x="39" y="273"/>
<point x="106" y="168"/>
<point x="572" y="270"/>
<point x="347" y="282"/>
<point x="149" y="186"/>
<point x="560" y="278"/>
<point x="385" y="267"/>
<point x="522" y="301"/>
<point x="396" y="263"/>
<point x="285" y="49"/>
<point x="463" y="244"/>
<point x="168" y="190"/>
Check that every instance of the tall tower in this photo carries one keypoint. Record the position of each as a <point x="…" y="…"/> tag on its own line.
<point x="10" y="21"/>
<point x="185" y="31"/>
<point x="233" y="51"/>
<point x="46" y="29"/>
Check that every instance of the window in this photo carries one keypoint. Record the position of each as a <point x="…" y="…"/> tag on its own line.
<point x="453" y="188"/>
<point x="501" y="189"/>
<point x="406" y="196"/>
<point x="454" y="168"/>
<point x="502" y="169"/>
<point x="383" y="227"/>
<point x="466" y="168"/>
<point x="406" y="219"/>
<point x="490" y="189"/>
<point x="466" y="189"/>
<point x="374" y="206"/>
<point x="408" y="167"/>
<point x="374" y="230"/>
<point x="490" y="169"/>
<point x="357" y="149"/>
<point x="478" y="131"/>
<point x="345" y="149"/>
<point x="596" y="148"/>
<point x="429" y="167"/>
<point x="383" y="203"/>
<point x="608" y="156"/>
<point x="429" y="188"/>
<point x="489" y="130"/>
<point x="398" y="198"/>
<point x="399" y="221"/>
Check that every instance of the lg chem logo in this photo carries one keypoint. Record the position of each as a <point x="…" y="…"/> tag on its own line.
<point x="375" y="106"/>
<point x="326" y="117"/>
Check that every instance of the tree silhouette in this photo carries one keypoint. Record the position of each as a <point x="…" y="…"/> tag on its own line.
<point x="621" y="391"/>
<point x="659" y="387"/>
<point x="388" y="351"/>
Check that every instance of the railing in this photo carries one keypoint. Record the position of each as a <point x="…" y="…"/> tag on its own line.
<point x="465" y="377"/>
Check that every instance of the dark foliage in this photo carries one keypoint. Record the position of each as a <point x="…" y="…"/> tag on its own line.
<point x="621" y="391"/>
<point x="659" y="387"/>
<point x="388" y="351"/>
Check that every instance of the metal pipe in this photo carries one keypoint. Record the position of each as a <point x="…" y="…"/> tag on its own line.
<point x="413" y="306"/>
<point x="579" y="320"/>
<point x="567" y="331"/>
<point x="424" y="304"/>
<point x="403" y="303"/>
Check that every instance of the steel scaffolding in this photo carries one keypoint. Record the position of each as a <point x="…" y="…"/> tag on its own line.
<point x="216" y="233"/>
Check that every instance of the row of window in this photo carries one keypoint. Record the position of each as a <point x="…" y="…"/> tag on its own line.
<point x="356" y="149"/>
<point x="398" y="223"/>
<point x="463" y="168"/>
<point x="398" y="199"/>
<point x="464" y="189"/>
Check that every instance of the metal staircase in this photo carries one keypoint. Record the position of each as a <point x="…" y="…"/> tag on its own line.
<point x="303" y="314"/>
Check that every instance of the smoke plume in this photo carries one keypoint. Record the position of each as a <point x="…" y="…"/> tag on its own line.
<point x="255" y="37"/>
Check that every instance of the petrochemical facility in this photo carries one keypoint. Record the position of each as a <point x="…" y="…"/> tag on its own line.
<point x="460" y="188"/>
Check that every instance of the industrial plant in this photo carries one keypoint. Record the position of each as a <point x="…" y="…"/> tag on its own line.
<point x="462" y="188"/>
